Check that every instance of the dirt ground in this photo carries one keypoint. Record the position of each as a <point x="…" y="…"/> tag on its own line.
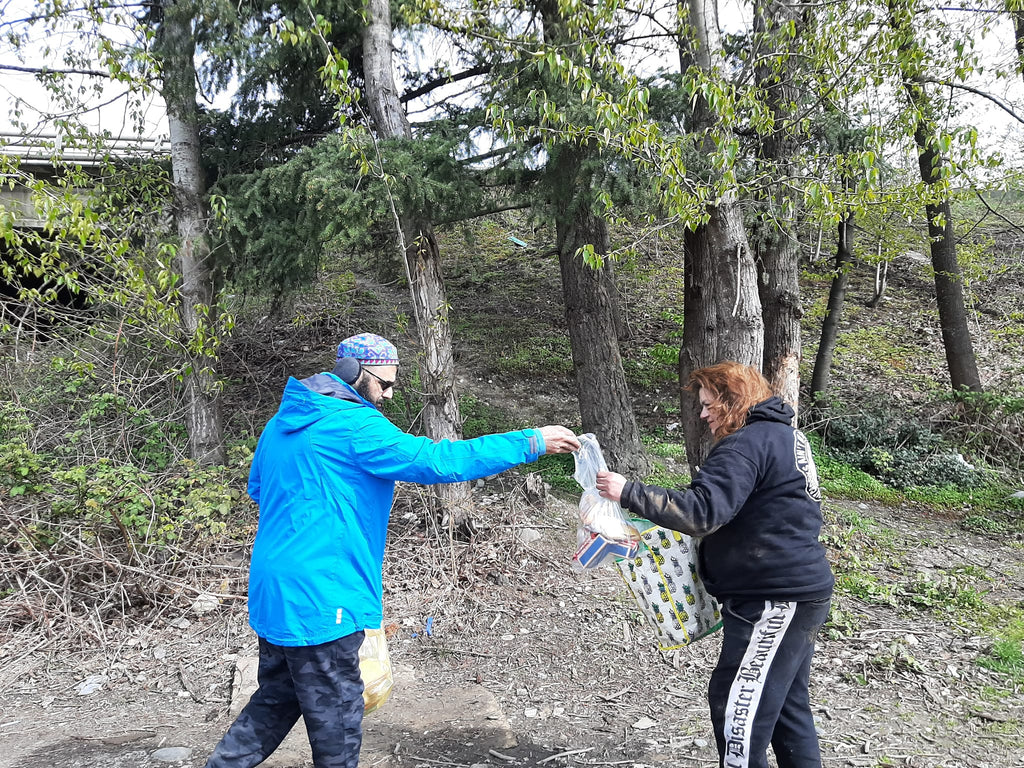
<point x="530" y="663"/>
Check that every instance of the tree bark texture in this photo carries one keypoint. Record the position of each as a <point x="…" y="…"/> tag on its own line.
<point x="722" y="312"/>
<point x="1018" y="33"/>
<point x="198" y="306"/>
<point x="441" y="418"/>
<point x="778" y="249"/>
<point x="589" y="295"/>
<point x="834" y="311"/>
<point x="949" y="289"/>
<point x="721" y="307"/>
<point x="949" y="295"/>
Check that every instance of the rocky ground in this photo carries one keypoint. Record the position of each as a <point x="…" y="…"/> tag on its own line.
<point x="530" y="663"/>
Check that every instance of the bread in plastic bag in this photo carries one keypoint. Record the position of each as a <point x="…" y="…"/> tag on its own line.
<point x="604" y="532"/>
<point x="375" y="669"/>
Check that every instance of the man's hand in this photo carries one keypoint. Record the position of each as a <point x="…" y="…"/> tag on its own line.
<point x="559" y="439"/>
<point x="610" y="485"/>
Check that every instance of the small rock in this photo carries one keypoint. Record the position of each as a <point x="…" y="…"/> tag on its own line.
<point x="700" y="743"/>
<point x="527" y="536"/>
<point x="205" y="603"/>
<point x="644" y="723"/>
<point x="963" y="461"/>
<point x="91" y="684"/>
<point x="531" y="712"/>
<point x="1017" y="495"/>
<point x="172" y="754"/>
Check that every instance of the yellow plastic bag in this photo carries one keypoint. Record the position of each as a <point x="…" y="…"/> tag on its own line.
<point x="375" y="668"/>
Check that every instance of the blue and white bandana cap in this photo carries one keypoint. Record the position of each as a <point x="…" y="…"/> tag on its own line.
<point x="369" y="349"/>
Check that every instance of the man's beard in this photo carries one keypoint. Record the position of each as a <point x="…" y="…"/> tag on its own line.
<point x="362" y="386"/>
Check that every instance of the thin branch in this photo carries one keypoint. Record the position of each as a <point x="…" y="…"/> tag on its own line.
<point x="486" y="212"/>
<point x="49" y="71"/>
<point x="499" y="152"/>
<point x="997" y="214"/>
<point x="480" y="69"/>
<point x="977" y="92"/>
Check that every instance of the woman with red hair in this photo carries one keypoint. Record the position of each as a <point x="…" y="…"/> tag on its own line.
<point x="756" y="506"/>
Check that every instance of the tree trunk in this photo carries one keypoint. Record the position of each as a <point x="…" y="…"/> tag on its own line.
<point x="590" y="297"/>
<point x="779" y="292"/>
<point x="777" y="244"/>
<point x="949" y="291"/>
<point x="881" y="280"/>
<point x="422" y="257"/>
<point x="590" y="302"/>
<point x="721" y="308"/>
<point x="949" y="295"/>
<point x="1018" y="31"/>
<point x="198" y="307"/>
<point x="834" y="311"/>
<point x="721" y="311"/>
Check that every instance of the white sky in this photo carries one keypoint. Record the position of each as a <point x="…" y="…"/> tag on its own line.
<point x="112" y="110"/>
<point x="101" y="104"/>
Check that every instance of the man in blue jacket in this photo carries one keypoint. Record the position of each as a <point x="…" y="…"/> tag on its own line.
<point x="324" y="477"/>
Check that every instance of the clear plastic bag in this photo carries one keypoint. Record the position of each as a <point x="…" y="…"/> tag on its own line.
<point x="375" y="669"/>
<point x="604" y="532"/>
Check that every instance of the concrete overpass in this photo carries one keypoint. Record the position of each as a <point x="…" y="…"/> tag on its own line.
<point x="40" y="157"/>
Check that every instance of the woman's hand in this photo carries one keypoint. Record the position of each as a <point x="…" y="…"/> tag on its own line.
<point x="610" y="485"/>
<point x="559" y="439"/>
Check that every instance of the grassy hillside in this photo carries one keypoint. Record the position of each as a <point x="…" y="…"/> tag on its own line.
<point x="92" y="448"/>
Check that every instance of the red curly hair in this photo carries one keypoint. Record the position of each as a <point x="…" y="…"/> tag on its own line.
<point x="734" y="388"/>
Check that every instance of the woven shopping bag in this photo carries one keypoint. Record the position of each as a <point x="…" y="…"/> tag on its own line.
<point x="663" y="580"/>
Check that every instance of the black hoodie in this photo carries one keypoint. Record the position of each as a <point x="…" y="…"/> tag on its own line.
<point x="756" y="505"/>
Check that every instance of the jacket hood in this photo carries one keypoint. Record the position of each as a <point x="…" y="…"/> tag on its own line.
<point x="306" y="402"/>
<point x="772" y="409"/>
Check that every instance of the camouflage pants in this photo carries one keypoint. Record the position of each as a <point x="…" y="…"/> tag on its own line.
<point x="319" y="682"/>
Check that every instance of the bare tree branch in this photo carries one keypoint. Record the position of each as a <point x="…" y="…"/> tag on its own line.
<point x="480" y="69"/>
<point x="50" y="71"/>
<point x="1009" y="222"/>
<point x="977" y="92"/>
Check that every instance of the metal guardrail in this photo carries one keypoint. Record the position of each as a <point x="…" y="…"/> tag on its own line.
<point x="42" y="148"/>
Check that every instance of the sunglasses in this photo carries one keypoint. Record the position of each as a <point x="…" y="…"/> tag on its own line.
<point x="385" y="385"/>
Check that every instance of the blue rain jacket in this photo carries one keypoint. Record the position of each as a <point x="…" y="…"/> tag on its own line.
<point x="324" y="477"/>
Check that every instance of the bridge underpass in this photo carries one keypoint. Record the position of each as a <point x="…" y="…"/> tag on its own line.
<point x="24" y="161"/>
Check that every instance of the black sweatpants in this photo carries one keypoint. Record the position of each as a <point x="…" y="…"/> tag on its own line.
<point x="319" y="682"/>
<point x="758" y="691"/>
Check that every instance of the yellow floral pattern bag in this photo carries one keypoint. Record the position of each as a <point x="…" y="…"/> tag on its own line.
<point x="664" y="581"/>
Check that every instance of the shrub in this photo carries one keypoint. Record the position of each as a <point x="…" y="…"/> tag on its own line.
<point x="899" y="449"/>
